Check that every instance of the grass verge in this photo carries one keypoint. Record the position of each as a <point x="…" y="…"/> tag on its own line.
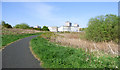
<point x="56" y="56"/>
<point x="6" y="39"/>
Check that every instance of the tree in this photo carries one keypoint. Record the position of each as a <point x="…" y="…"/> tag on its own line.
<point x="82" y="29"/>
<point x="37" y="28"/>
<point x="3" y="23"/>
<point x="45" y="28"/>
<point x="103" y="28"/>
<point x="22" y="26"/>
<point x="6" y="25"/>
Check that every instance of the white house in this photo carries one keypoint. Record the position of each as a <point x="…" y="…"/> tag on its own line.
<point x="53" y="29"/>
<point x="37" y="26"/>
<point x="67" y="27"/>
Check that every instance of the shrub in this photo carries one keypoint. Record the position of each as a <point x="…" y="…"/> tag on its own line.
<point x="48" y="35"/>
<point x="37" y="29"/>
<point x="45" y="28"/>
<point x="82" y="29"/>
<point x="22" y="26"/>
<point x="6" y="25"/>
<point x="103" y="28"/>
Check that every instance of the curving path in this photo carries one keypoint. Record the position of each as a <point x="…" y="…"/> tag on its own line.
<point x="18" y="55"/>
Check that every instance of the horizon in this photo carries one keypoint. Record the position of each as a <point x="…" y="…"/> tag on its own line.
<point x="55" y="13"/>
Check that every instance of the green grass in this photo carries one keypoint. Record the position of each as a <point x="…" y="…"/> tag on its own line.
<point x="56" y="56"/>
<point x="6" y="39"/>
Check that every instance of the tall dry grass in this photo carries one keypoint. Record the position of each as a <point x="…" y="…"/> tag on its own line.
<point x="77" y="40"/>
<point x="7" y="31"/>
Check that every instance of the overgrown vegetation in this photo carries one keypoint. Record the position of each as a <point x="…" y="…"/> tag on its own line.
<point x="78" y="40"/>
<point x="103" y="28"/>
<point x="48" y="35"/>
<point x="56" y="56"/>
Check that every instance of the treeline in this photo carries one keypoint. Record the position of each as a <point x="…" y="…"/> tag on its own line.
<point x="103" y="28"/>
<point x="23" y="26"/>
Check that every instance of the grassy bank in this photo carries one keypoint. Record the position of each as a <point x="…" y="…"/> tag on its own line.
<point x="6" y="39"/>
<point x="56" y="56"/>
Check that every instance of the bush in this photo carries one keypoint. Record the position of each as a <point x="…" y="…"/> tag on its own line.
<point x="6" y="25"/>
<point x="48" y="35"/>
<point x="22" y="26"/>
<point x="82" y="29"/>
<point x="38" y="29"/>
<point x="45" y="28"/>
<point x="103" y="28"/>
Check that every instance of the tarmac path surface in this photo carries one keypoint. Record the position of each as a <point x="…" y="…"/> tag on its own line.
<point x="18" y="55"/>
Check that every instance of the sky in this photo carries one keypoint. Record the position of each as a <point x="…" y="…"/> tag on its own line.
<point x="55" y="13"/>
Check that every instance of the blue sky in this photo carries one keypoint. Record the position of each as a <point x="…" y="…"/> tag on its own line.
<point x="55" y="13"/>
